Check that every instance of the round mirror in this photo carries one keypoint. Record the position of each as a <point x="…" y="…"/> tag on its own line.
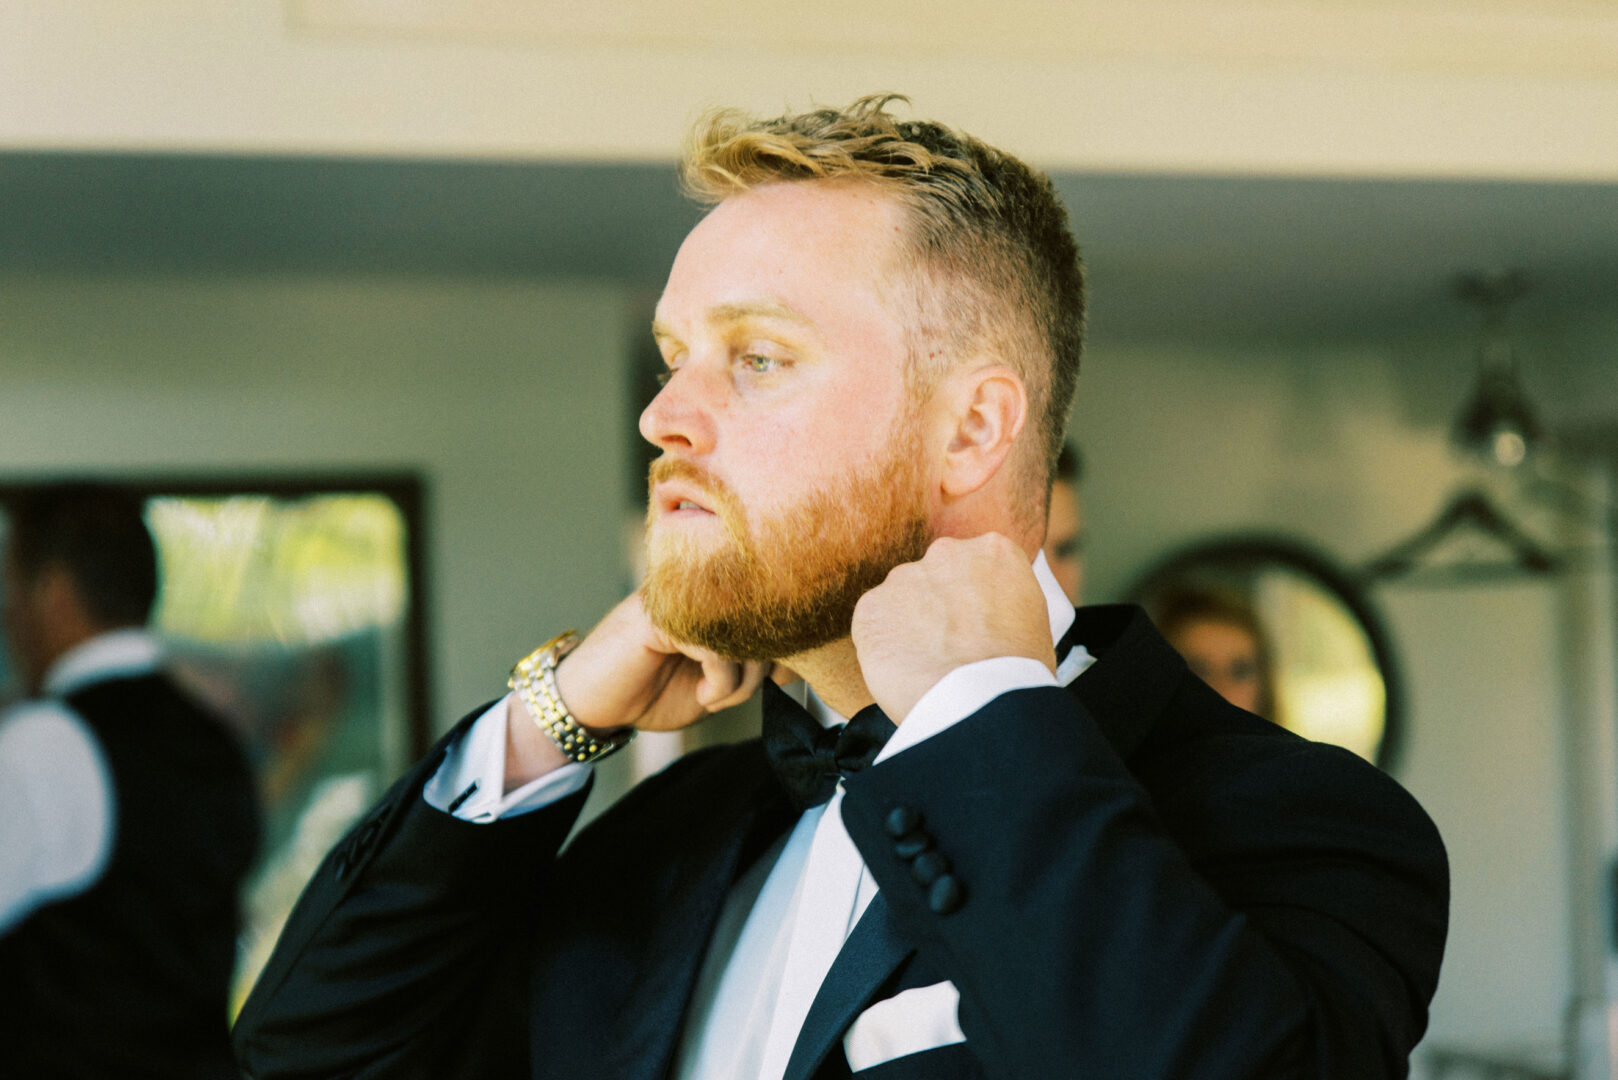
<point x="1280" y="630"/>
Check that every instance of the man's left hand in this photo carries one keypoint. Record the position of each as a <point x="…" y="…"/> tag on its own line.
<point x="964" y="601"/>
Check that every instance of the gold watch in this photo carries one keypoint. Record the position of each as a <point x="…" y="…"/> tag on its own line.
<point x="534" y="680"/>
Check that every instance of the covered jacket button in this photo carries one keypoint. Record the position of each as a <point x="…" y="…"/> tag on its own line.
<point x="902" y="820"/>
<point x="946" y="895"/>
<point x="367" y="836"/>
<point x="928" y="867"/>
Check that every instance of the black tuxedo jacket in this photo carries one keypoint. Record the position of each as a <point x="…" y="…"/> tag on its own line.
<point x="1156" y="885"/>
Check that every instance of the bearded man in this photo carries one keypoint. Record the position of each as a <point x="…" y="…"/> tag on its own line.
<point x="1037" y="847"/>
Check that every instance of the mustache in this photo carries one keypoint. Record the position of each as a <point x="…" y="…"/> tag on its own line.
<point x="666" y="468"/>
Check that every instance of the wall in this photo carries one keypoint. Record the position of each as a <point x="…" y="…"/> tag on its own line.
<point x="1487" y="759"/>
<point x="502" y="393"/>
<point x="1182" y="442"/>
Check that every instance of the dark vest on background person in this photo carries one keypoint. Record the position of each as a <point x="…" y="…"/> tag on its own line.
<point x="131" y="978"/>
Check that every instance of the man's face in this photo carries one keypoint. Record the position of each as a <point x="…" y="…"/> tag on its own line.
<point x="1064" y="540"/>
<point x="1225" y="656"/>
<point x="793" y="474"/>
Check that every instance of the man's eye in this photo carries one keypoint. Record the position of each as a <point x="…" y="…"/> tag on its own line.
<point x="759" y="363"/>
<point x="663" y="377"/>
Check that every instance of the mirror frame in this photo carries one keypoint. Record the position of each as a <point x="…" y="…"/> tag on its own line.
<point x="1298" y="556"/>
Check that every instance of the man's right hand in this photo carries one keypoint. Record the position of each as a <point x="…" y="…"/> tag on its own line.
<point x="628" y="673"/>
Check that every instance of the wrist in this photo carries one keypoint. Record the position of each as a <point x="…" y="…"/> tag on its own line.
<point x="535" y="682"/>
<point x="570" y="690"/>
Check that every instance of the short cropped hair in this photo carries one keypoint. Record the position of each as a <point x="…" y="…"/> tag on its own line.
<point x="1000" y="268"/>
<point x="95" y="532"/>
<point x="1069" y="465"/>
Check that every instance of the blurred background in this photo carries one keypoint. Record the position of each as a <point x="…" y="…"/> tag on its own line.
<point x="358" y="290"/>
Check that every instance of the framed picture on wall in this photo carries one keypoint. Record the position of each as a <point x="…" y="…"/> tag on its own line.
<point x="295" y="607"/>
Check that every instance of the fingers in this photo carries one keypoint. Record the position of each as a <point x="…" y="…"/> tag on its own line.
<point x="965" y="600"/>
<point x="754" y="673"/>
<point x="727" y="682"/>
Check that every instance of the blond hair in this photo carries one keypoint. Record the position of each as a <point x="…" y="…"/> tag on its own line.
<point x="999" y="269"/>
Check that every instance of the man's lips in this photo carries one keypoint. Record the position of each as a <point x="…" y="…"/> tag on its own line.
<point x="677" y="498"/>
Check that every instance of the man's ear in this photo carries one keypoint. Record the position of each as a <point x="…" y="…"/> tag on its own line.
<point x="986" y="408"/>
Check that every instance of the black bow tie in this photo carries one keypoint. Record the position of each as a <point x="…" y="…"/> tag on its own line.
<point x="809" y="759"/>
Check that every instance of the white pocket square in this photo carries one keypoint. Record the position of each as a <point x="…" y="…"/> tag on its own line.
<point x="908" y="1023"/>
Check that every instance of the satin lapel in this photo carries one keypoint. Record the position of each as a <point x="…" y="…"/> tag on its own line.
<point x="869" y="956"/>
<point x="696" y="880"/>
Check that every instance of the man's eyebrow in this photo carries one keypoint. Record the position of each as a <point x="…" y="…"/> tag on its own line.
<point x="755" y="309"/>
<point x="738" y="311"/>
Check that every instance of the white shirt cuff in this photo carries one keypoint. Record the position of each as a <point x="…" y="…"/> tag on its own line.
<point x="963" y="692"/>
<point x="470" y="781"/>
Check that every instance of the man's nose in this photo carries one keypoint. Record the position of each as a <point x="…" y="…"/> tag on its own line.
<point x="682" y="415"/>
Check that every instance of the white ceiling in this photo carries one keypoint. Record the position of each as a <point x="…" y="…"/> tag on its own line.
<point x="1525" y="89"/>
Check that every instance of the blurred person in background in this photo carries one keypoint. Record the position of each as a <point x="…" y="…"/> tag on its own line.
<point x="128" y="818"/>
<point x="1064" y="524"/>
<point x="1223" y="641"/>
<point x="983" y="835"/>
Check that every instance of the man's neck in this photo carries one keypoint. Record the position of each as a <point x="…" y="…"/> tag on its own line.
<point x="833" y="672"/>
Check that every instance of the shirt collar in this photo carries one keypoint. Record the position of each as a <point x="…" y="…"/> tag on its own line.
<point x="1057" y="606"/>
<point x="114" y="655"/>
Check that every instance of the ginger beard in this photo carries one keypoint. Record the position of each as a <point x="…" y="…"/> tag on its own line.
<point x="791" y="586"/>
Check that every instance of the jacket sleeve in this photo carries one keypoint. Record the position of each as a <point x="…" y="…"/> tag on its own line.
<point x="1272" y="908"/>
<point x="406" y="953"/>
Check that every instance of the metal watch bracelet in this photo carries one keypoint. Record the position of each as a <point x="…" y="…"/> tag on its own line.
<point x="534" y="680"/>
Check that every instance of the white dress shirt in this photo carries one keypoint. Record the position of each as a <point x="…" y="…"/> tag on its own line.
<point x="56" y="795"/>
<point x="787" y="917"/>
